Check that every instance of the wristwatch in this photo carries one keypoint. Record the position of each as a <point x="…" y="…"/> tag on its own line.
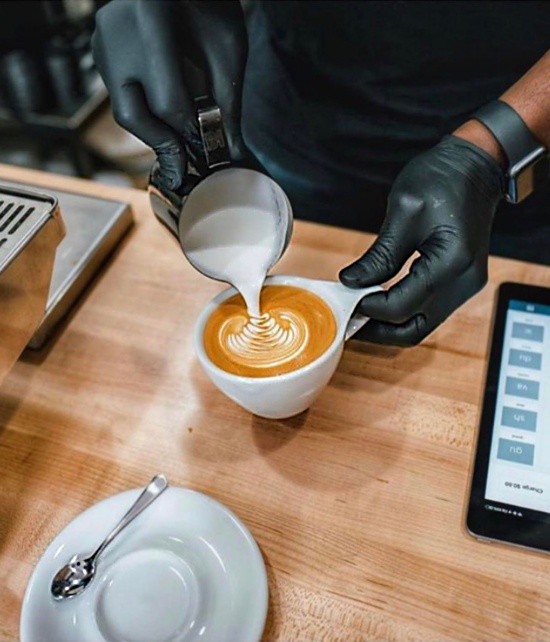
<point x="528" y="161"/>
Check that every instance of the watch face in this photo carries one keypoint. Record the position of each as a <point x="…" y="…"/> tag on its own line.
<point x="530" y="174"/>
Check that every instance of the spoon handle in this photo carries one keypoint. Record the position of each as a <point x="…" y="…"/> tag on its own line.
<point x="156" y="486"/>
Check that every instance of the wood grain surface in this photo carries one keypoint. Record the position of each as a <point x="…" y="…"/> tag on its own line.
<point x="357" y="505"/>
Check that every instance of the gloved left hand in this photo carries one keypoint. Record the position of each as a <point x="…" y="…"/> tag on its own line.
<point x="442" y="205"/>
<point x="142" y="49"/>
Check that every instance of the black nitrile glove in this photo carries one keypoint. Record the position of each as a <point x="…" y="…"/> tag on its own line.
<point x="140" y="47"/>
<point x="442" y="205"/>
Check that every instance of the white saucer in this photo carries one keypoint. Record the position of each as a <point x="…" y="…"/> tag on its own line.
<point x="186" y="570"/>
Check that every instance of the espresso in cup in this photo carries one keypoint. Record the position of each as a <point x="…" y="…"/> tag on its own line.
<point x="294" y="329"/>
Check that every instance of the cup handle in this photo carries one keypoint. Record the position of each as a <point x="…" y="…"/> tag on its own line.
<point x="355" y="324"/>
<point x="358" y="320"/>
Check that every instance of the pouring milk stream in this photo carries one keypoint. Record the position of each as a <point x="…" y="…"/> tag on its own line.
<point x="234" y="227"/>
<point x="236" y="245"/>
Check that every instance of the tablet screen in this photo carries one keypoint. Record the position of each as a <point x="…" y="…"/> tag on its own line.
<point x="518" y="473"/>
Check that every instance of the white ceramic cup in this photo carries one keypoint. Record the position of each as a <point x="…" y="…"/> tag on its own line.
<point x="286" y="395"/>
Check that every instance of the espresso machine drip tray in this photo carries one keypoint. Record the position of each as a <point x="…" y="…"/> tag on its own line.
<point x="95" y="226"/>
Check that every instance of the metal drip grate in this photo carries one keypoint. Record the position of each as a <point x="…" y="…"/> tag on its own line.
<point x="17" y="217"/>
<point x="20" y="212"/>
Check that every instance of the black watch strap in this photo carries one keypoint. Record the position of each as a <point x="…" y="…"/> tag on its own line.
<point x="509" y="128"/>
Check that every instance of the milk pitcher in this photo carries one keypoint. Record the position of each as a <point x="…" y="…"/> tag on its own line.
<point x="214" y="184"/>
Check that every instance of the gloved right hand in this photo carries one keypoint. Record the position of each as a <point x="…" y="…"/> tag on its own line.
<point x="441" y="205"/>
<point x="139" y="48"/>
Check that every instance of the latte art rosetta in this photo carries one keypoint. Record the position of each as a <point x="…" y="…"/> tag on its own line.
<point x="266" y="341"/>
<point x="295" y="328"/>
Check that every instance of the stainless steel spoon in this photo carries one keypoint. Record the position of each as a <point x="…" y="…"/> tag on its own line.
<point x="75" y="576"/>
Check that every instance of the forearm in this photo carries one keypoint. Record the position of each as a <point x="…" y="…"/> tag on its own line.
<point x="530" y="97"/>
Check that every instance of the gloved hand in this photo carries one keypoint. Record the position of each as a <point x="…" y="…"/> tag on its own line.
<point x="442" y="205"/>
<point x="139" y="47"/>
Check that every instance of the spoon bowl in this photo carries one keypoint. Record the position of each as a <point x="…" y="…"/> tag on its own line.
<point x="74" y="577"/>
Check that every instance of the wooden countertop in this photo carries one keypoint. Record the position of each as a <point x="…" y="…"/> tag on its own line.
<point x="357" y="505"/>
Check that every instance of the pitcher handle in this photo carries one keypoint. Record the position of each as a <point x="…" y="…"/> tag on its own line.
<point x="167" y="204"/>
<point x="213" y="140"/>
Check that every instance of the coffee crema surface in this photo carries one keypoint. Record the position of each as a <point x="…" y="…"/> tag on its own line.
<point x="295" y="328"/>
